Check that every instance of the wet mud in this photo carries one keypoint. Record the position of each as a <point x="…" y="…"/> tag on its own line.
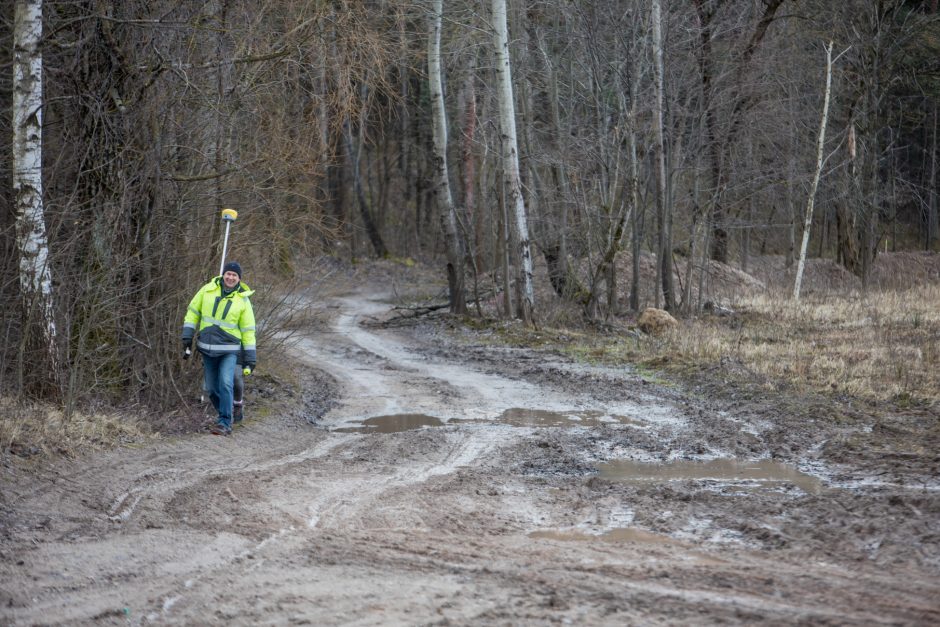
<point x="428" y="477"/>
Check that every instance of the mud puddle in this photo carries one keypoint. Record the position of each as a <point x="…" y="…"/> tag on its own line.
<point x="393" y="423"/>
<point x="762" y="474"/>
<point x="514" y="417"/>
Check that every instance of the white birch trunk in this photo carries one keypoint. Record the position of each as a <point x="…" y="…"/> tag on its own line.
<point x="35" y="275"/>
<point x="442" y="193"/>
<point x="820" y="144"/>
<point x="510" y="154"/>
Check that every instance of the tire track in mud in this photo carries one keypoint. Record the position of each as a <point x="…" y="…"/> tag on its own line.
<point x="126" y="503"/>
<point x="343" y="501"/>
<point x="349" y="501"/>
<point x="411" y="382"/>
<point x="286" y="522"/>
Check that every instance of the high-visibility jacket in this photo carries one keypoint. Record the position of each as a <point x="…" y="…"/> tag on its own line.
<point x="226" y="324"/>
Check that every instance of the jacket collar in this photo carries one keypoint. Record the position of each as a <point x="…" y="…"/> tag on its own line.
<point x="241" y="289"/>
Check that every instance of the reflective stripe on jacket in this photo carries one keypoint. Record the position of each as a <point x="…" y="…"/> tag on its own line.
<point x="226" y="324"/>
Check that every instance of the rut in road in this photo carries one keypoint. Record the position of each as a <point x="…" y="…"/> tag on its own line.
<point x="477" y="521"/>
<point x="402" y="381"/>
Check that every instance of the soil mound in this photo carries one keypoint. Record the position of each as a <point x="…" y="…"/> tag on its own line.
<point x="905" y="270"/>
<point x="891" y="271"/>
<point x="819" y="275"/>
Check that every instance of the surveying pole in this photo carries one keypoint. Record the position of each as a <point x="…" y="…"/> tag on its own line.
<point x="228" y="216"/>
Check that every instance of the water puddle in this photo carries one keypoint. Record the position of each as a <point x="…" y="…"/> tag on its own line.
<point x="525" y="417"/>
<point x="514" y="417"/>
<point x="620" y="534"/>
<point x="763" y="474"/>
<point x="393" y="423"/>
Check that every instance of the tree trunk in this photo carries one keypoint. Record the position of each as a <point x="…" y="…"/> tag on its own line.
<point x="748" y="223"/>
<point x="718" y="248"/>
<point x="34" y="273"/>
<point x="375" y="238"/>
<point x="932" y="220"/>
<point x="638" y="222"/>
<point x="441" y="189"/>
<point x="846" y="219"/>
<point x="697" y="222"/>
<point x="554" y="237"/>
<point x="510" y="154"/>
<point x="505" y="241"/>
<point x="662" y="209"/>
<point x="470" y="221"/>
<point x="474" y="226"/>
<point x="719" y="148"/>
<point x="791" y="209"/>
<point x="634" y="192"/>
<point x="820" y="145"/>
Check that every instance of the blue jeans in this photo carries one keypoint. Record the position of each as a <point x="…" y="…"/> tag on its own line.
<point x="220" y="375"/>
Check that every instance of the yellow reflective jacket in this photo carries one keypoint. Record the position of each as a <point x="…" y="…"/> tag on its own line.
<point x="226" y="324"/>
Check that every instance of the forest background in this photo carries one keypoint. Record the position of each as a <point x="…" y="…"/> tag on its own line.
<point x="678" y="136"/>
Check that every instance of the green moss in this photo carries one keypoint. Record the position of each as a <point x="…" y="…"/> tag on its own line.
<point x="262" y="411"/>
<point x="408" y="262"/>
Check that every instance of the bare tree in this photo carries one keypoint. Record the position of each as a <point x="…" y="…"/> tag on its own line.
<point x="445" y="201"/>
<point x="820" y="145"/>
<point x="510" y="157"/>
<point x="933" y="221"/>
<point x="35" y="272"/>
<point x="663" y="210"/>
<point x="721" y="129"/>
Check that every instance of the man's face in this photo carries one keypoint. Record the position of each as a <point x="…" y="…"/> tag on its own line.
<point x="230" y="279"/>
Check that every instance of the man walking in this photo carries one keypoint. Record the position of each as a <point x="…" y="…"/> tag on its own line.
<point x="222" y="314"/>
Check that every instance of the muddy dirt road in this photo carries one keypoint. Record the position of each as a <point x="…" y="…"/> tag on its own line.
<point x="449" y="482"/>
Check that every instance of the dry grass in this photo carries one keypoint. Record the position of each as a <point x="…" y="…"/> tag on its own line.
<point x="880" y="346"/>
<point x="28" y="429"/>
<point x="883" y="345"/>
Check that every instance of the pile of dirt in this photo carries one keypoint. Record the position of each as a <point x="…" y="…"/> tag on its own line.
<point x="721" y="283"/>
<point x="905" y="270"/>
<point x="425" y="282"/>
<point x="819" y="275"/>
<point x="891" y="271"/>
<point x="725" y="283"/>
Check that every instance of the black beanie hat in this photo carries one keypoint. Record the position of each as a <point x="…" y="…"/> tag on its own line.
<point x="232" y="266"/>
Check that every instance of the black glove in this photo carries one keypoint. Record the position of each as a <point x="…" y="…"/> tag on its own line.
<point x="187" y="348"/>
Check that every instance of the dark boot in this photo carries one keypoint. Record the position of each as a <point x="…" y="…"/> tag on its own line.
<point x="220" y="429"/>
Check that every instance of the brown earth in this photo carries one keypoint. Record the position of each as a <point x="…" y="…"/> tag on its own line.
<point x="426" y="474"/>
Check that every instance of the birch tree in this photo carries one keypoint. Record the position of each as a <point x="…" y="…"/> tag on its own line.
<point x="441" y="185"/>
<point x="820" y="143"/>
<point x="510" y="155"/>
<point x="35" y="274"/>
